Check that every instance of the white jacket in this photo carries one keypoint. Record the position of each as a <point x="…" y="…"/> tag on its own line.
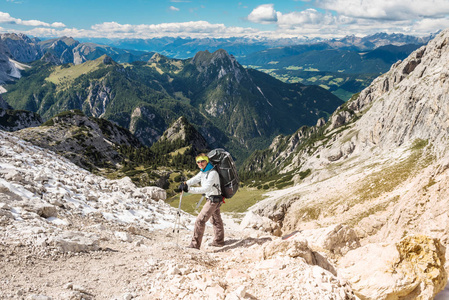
<point x="210" y="183"/>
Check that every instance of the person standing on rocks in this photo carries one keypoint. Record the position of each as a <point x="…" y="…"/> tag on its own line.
<point x="210" y="186"/>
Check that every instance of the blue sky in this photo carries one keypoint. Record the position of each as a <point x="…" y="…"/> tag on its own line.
<point x="206" y="18"/>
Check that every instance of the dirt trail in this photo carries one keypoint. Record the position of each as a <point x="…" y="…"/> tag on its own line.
<point x="142" y="269"/>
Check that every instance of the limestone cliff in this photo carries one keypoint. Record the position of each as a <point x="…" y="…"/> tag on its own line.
<point x="379" y="166"/>
<point x="380" y="163"/>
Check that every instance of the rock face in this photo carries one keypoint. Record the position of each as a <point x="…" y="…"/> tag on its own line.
<point x="398" y="122"/>
<point x="9" y="68"/>
<point x="413" y="268"/>
<point x="13" y="120"/>
<point x="378" y="166"/>
<point x="20" y="47"/>
<point x="87" y="142"/>
<point x="181" y="131"/>
<point x="146" y="124"/>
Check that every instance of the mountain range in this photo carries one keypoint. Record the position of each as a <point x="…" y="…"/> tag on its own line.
<point x="242" y="109"/>
<point x="241" y="47"/>
<point x="342" y="66"/>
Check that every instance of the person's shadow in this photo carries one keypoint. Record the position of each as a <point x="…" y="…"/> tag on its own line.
<point x="248" y="242"/>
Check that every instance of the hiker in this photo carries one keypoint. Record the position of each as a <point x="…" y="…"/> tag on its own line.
<point x="210" y="187"/>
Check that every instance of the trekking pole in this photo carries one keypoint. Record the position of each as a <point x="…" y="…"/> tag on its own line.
<point x="178" y="219"/>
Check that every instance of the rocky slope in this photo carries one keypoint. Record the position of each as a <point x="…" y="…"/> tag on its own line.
<point x="379" y="165"/>
<point x="13" y="120"/>
<point x="88" y="142"/>
<point x="69" y="234"/>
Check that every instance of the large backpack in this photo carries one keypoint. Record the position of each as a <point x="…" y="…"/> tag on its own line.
<point x="224" y="164"/>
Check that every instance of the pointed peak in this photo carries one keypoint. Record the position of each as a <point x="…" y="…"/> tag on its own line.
<point x="206" y="56"/>
<point x="182" y="130"/>
<point x="157" y="57"/>
<point x="105" y="59"/>
<point x="221" y="61"/>
<point x="181" y="124"/>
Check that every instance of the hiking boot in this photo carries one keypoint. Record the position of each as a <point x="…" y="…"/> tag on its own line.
<point x="215" y="244"/>
<point x="192" y="247"/>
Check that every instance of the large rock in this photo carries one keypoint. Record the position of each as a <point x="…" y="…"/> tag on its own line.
<point x="292" y="248"/>
<point x="70" y="241"/>
<point x="155" y="193"/>
<point x="410" y="269"/>
<point x="251" y="220"/>
<point x="336" y="239"/>
<point x="296" y="247"/>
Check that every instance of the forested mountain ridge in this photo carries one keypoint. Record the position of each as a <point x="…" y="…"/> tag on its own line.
<point x="230" y="106"/>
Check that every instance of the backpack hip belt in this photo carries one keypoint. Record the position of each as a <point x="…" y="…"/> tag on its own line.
<point x="215" y="198"/>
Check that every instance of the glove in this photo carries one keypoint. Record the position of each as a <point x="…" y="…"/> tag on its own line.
<point x="184" y="187"/>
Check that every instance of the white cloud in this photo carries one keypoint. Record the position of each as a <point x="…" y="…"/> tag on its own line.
<point x="6" y="18"/>
<point x="264" y="14"/>
<point x="431" y="25"/>
<point x="309" y="16"/>
<point x="360" y="17"/>
<point x="173" y="8"/>
<point x="117" y="30"/>
<point x="388" y="9"/>
<point x="58" y="25"/>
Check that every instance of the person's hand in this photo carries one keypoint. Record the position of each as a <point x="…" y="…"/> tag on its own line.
<point x="184" y="187"/>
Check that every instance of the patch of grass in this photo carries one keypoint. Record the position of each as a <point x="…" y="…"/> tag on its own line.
<point x="62" y="75"/>
<point x="428" y="185"/>
<point x="180" y="151"/>
<point x="371" y="211"/>
<point x="304" y="174"/>
<point x="387" y="179"/>
<point x="309" y="213"/>
<point x="154" y="66"/>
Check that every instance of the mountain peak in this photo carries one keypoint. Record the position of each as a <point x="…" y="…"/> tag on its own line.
<point x="205" y="58"/>
<point x="182" y="130"/>
<point x="157" y="58"/>
<point x="218" y="64"/>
